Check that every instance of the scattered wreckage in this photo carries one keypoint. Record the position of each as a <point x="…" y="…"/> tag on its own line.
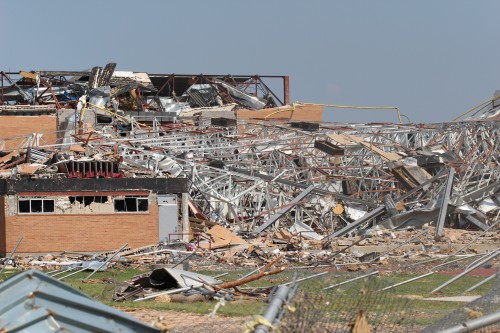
<point x="259" y="190"/>
<point x="258" y="177"/>
<point x="172" y="94"/>
<point x="317" y="180"/>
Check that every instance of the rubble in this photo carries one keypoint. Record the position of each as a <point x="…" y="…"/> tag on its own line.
<point x="172" y="94"/>
<point x="327" y="180"/>
<point x="256" y="189"/>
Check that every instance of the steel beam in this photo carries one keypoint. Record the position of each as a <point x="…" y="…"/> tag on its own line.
<point x="444" y="205"/>
<point x="283" y="211"/>
<point x="367" y="217"/>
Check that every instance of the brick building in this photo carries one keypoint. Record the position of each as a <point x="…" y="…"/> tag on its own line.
<point x="87" y="215"/>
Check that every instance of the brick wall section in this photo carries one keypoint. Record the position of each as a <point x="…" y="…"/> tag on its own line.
<point x="81" y="233"/>
<point x="313" y="113"/>
<point x="2" y="227"/>
<point x="11" y="126"/>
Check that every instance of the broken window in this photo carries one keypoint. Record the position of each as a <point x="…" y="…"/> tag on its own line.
<point x="131" y="204"/>
<point x="36" y="206"/>
<point x="87" y="200"/>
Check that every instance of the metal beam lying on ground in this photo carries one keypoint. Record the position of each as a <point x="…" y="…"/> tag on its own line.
<point x="367" y="217"/>
<point x="282" y="211"/>
<point x="477" y="264"/>
<point x="407" y="281"/>
<point x="351" y="280"/>
<point x="476" y="222"/>
<point x="480" y="283"/>
<point x="105" y="262"/>
<point x="474" y="324"/>
<point x="6" y="262"/>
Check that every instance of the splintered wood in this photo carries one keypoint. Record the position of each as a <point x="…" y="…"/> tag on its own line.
<point x="222" y="237"/>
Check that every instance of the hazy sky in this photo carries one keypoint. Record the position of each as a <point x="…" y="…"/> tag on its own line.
<point x="433" y="59"/>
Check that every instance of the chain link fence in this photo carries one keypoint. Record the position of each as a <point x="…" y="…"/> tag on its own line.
<point x="340" y="308"/>
<point x="338" y="300"/>
<point x="488" y="304"/>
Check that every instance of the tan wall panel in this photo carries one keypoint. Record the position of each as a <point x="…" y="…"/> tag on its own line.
<point x="11" y="126"/>
<point x="313" y="113"/>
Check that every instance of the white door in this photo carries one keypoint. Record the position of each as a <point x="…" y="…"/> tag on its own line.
<point x="168" y="217"/>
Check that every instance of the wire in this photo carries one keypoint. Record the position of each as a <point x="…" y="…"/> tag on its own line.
<point x="358" y="107"/>
<point x="110" y="112"/>
<point x="283" y="110"/>
<point x="476" y="107"/>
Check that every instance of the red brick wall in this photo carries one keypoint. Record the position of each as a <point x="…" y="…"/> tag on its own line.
<point x="83" y="233"/>
<point x="11" y="126"/>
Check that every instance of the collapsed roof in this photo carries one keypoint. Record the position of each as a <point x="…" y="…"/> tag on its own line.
<point x="333" y="179"/>
<point x="140" y="91"/>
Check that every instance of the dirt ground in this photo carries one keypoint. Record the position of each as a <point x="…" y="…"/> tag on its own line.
<point x="183" y="322"/>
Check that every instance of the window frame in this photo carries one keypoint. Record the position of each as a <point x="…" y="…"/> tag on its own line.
<point x="43" y="205"/>
<point x="137" y="198"/>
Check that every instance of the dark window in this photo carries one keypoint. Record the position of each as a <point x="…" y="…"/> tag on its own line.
<point x="48" y="206"/>
<point x="142" y="205"/>
<point x="132" y="204"/>
<point x="77" y="199"/>
<point x="101" y="199"/>
<point x="35" y="206"/>
<point x="24" y="206"/>
<point x="120" y="205"/>
<point x="87" y="200"/>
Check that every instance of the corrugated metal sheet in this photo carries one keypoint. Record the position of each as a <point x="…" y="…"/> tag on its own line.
<point x="34" y="302"/>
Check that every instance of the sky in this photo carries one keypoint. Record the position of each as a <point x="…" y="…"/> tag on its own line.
<point x="434" y="59"/>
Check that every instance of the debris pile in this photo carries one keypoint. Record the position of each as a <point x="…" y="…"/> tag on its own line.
<point x="263" y="177"/>
<point x="171" y="94"/>
<point x="257" y="188"/>
<point x="186" y="286"/>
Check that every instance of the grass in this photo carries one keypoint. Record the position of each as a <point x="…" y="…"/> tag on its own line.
<point x="104" y="291"/>
<point x="424" y="312"/>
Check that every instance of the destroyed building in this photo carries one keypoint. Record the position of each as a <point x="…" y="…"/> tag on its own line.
<point x="53" y="102"/>
<point x="244" y="157"/>
<point x="89" y="214"/>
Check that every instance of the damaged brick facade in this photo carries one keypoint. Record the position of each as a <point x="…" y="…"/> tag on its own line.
<point x="84" y="221"/>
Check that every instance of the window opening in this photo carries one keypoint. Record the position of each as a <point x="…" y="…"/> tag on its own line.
<point x="35" y="205"/>
<point x="131" y="204"/>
